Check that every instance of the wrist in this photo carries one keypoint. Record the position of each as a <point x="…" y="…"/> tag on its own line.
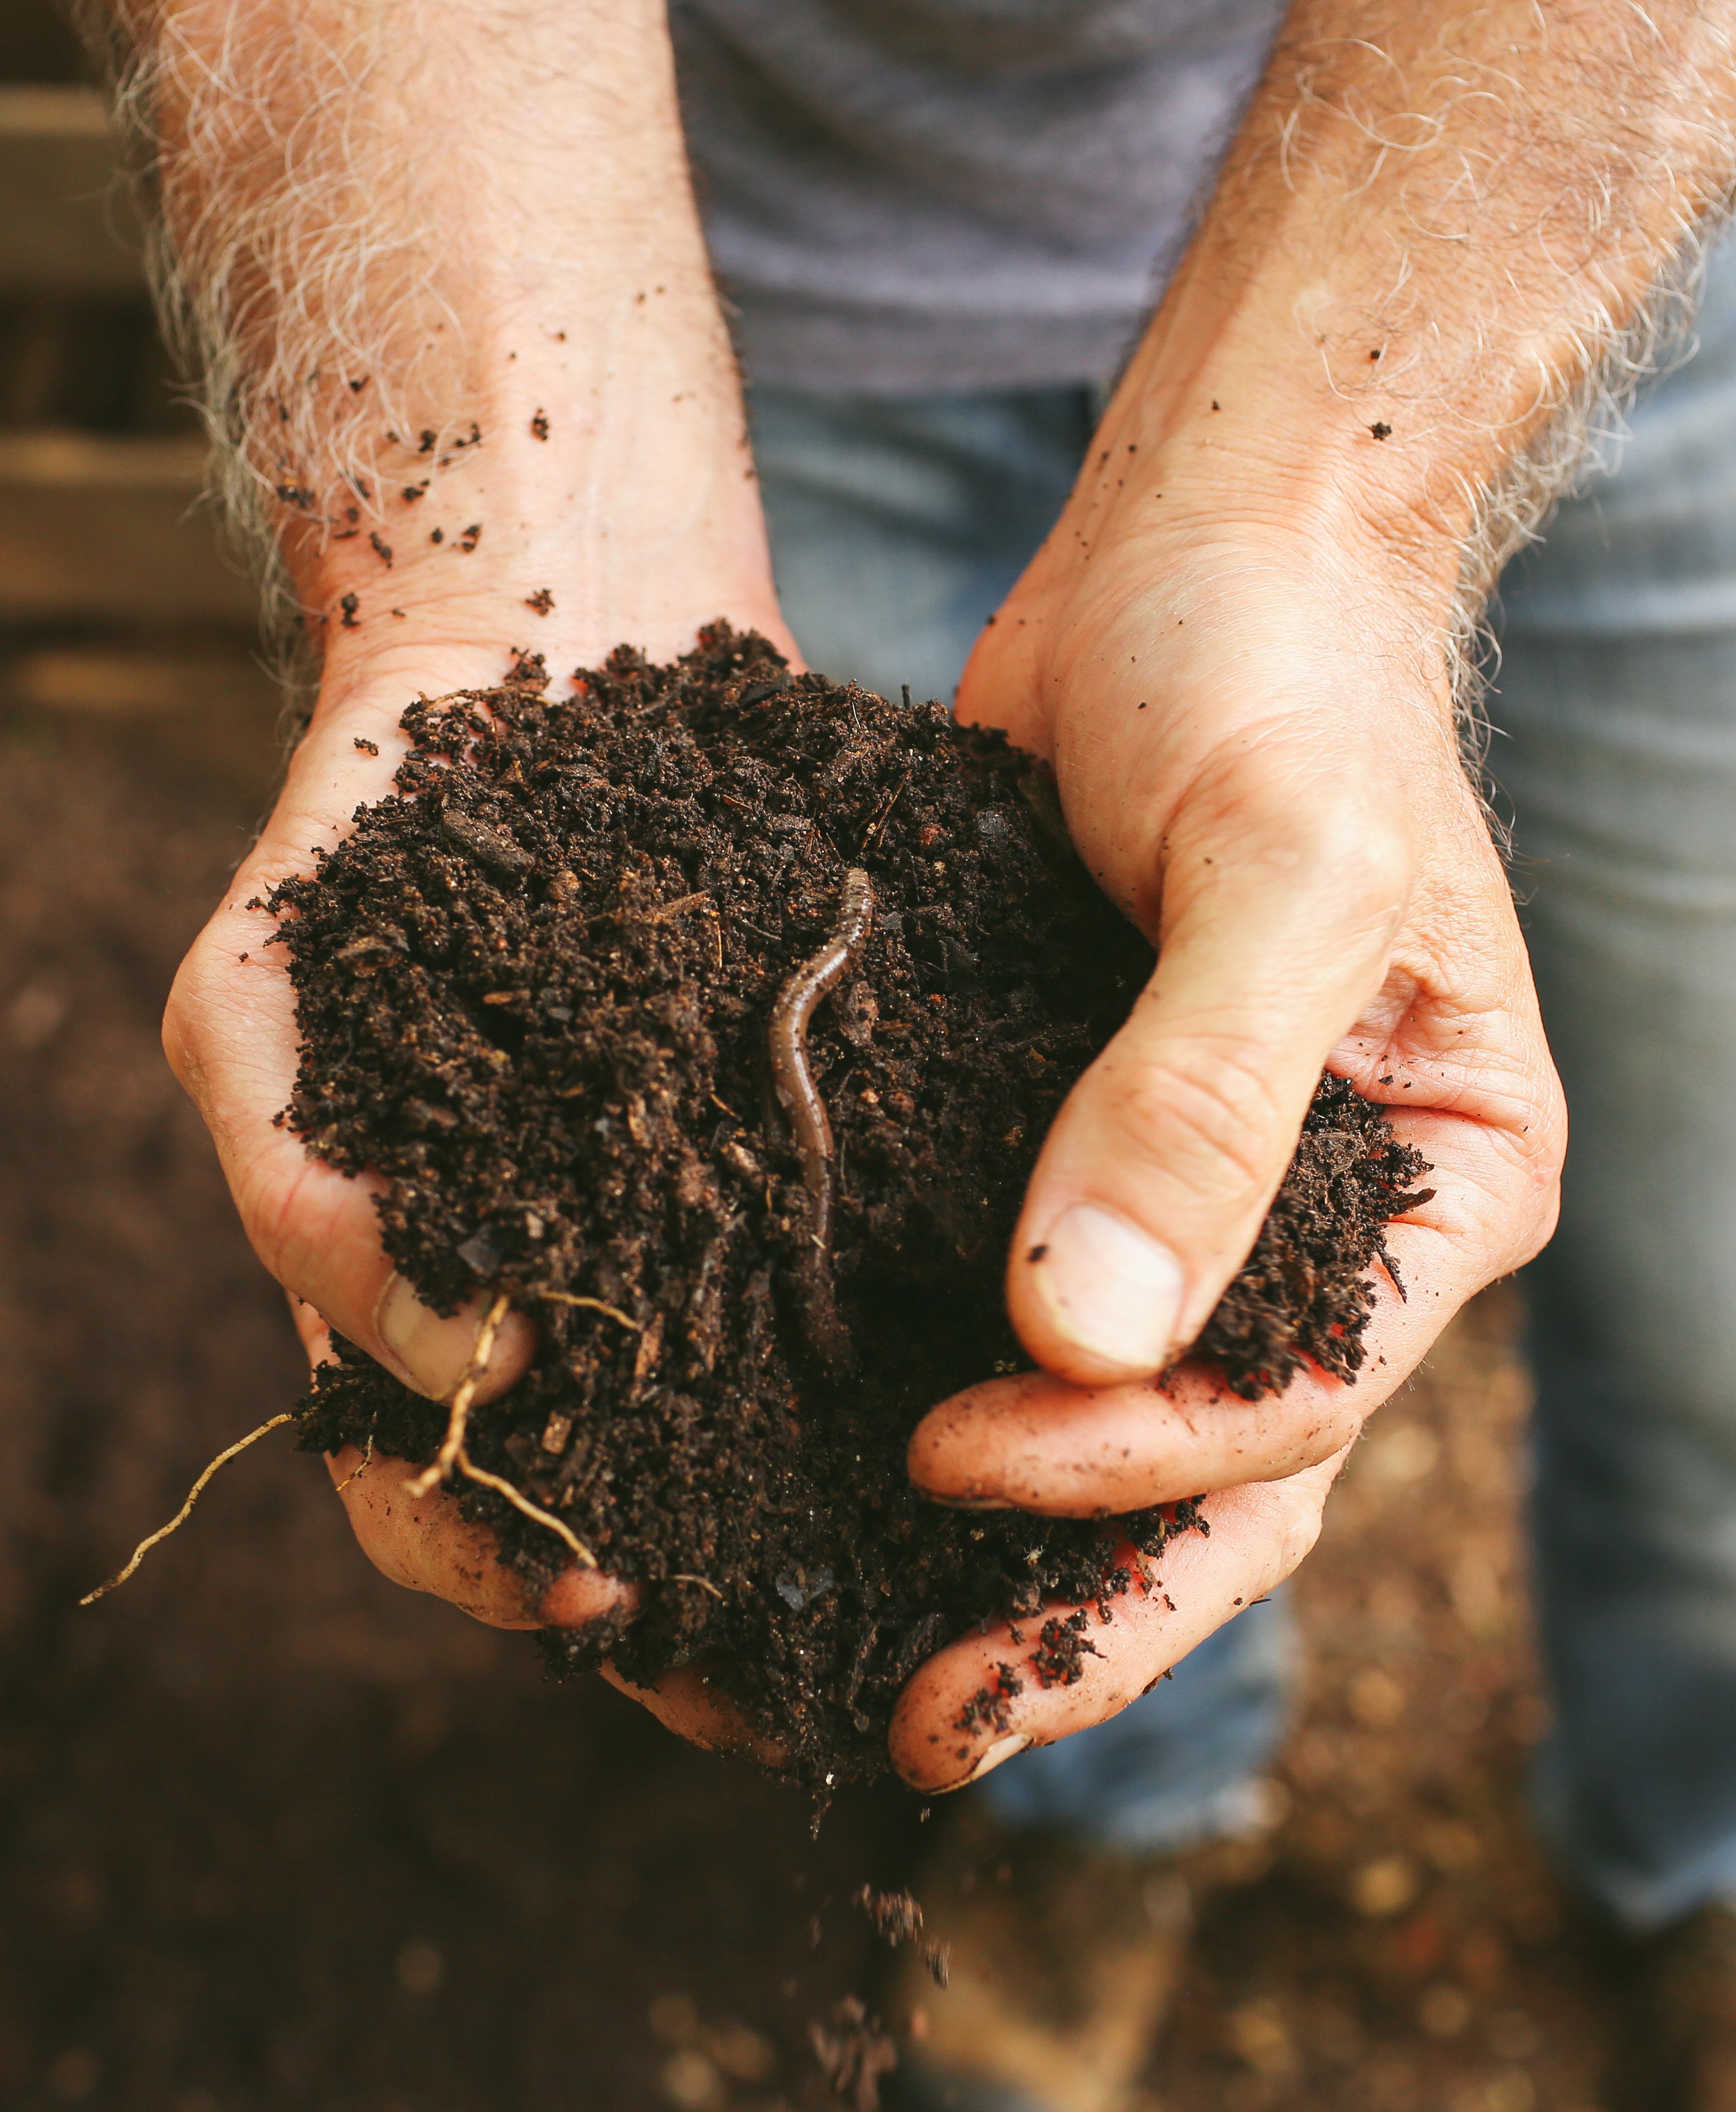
<point x="1233" y="413"/>
<point x="584" y="494"/>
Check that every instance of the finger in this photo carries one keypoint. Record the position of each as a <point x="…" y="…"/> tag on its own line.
<point x="983" y="1699"/>
<point x="1281" y="892"/>
<point x="1039" y="1443"/>
<point x="231" y="1038"/>
<point x="425" y="1544"/>
<point x="688" y="1702"/>
<point x="1034" y="1443"/>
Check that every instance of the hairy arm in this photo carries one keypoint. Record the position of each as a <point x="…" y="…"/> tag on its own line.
<point x="374" y="225"/>
<point x="1472" y="230"/>
<point x="438" y="267"/>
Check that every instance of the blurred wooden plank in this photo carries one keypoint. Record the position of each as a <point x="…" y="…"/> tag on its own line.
<point x="200" y="702"/>
<point x="66" y="226"/>
<point x="108" y="680"/>
<point x="99" y="528"/>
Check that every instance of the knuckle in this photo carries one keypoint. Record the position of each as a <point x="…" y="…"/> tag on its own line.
<point x="194" y="997"/>
<point x="273" y="1199"/>
<point x="1302" y="1513"/>
<point x="1328" y="830"/>
<point x="1360" y="861"/>
<point x="1303" y="1532"/>
<point x="1204" y="1110"/>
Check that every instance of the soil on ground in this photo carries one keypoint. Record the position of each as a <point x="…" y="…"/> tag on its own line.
<point x="278" y="1836"/>
<point x="541" y="995"/>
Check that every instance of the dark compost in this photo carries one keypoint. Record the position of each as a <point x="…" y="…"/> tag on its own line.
<point x="542" y="994"/>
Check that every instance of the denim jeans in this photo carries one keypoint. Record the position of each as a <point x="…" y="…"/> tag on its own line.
<point x="1618" y="694"/>
<point x="898" y="524"/>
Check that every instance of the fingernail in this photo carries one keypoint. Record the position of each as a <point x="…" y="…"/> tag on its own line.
<point x="1003" y="1749"/>
<point x="1110" y="1289"/>
<point x="432" y="1352"/>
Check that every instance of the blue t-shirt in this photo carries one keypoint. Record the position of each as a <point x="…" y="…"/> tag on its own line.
<point x="925" y="194"/>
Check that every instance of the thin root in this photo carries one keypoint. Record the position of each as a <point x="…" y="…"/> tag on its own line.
<point x="705" y="1584"/>
<point x="701" y="902"/>
<point x="458" y="1420"/>
<point x="522" y="1502"/>
<point x="591" y="1305"/>
<point x="361" y="1467"/>
<point x="886" y="814"/>
<point x="194" y="1494"/>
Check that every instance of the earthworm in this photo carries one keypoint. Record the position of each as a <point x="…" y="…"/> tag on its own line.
<point x="789" y="1023"/>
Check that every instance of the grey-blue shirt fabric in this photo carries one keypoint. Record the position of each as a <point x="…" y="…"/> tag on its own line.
<point x="913" y="195"/>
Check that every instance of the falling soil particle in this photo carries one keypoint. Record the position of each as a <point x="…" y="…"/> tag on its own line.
<point x="896" y="1915"/>
<point x="854" y="2053"/>
<point x="536" y="994"/>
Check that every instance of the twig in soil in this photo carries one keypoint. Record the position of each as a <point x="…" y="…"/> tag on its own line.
<point x="464" y="1393"/>
<point x="521" y="1502"/>
<point x="591" y="1305"/>
<point x="789" y="1065"/>
<point x="885" y="812"/>
<point x="194" y="1494"/>
<point x="675" y="908"/>
<point x="701" y="902"/>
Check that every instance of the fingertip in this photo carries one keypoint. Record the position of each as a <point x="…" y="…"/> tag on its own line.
<point x="688" y="1702"/>
<point x="943" y="1457"/>
<point x="916" y="1771"/>
<point x="577" y="1596"/>
<point x="1094" y="1296"/>
<point x="424" y="1541"/>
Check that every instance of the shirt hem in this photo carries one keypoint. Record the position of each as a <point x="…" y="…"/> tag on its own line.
<point x="915" y="353"/>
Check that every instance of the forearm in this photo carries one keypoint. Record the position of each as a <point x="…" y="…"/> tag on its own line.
<point x="384" y="231"/>
<point x="1438" y="231"/>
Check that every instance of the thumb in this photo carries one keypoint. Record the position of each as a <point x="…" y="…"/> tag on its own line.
<point x="1152" y="1184"/>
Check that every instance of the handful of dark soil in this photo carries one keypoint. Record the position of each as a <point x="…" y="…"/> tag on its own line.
<point x="539" y="992"/>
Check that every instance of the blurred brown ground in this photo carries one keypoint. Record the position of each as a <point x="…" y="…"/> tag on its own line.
<point x="275" y="1837"/>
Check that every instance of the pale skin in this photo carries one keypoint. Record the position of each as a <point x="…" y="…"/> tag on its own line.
<point x="1232" y="648"/>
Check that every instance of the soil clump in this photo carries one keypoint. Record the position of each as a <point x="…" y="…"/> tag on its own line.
<point x="541" y="992"/>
